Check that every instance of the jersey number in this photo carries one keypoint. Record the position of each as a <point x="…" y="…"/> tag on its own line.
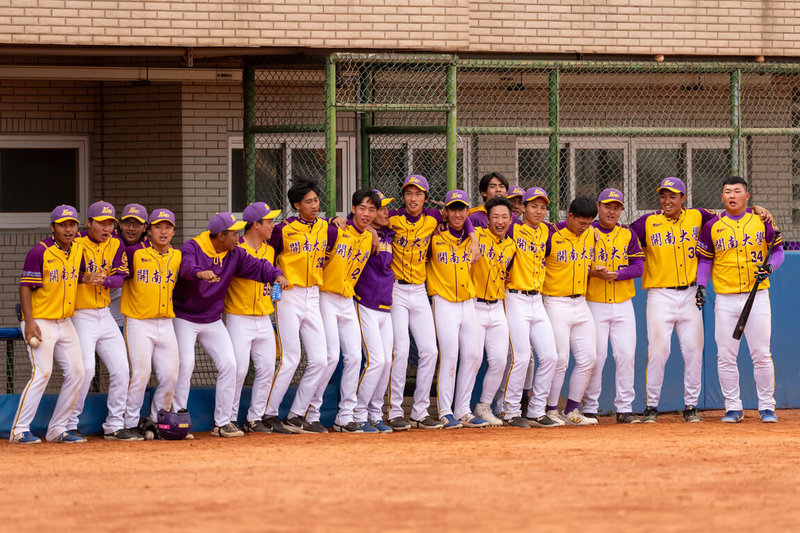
<point x="757" y="257"/>
<point x="690" y="250"/>
<point x="355" y="273"/>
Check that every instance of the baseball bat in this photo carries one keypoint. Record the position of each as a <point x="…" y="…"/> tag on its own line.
<point x="748" y="305"/>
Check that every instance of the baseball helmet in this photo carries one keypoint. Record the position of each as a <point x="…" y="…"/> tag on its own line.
<point x="174" y="426"/>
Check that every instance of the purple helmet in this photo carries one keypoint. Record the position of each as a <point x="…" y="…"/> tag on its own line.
<point x="174" y="426"/>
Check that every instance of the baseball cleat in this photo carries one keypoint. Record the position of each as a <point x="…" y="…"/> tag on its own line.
<point x="69" y="437"/>
<point x="484" y="410"/>
<point x="296" y="424"/>
<point x="317" y="427"/>
<point x="517" y="422"/>
<point x="450" y="422"/>
<point x="555" y="417"/>
<point x="471" y="421"/>
<point x="367" y="427"/>
<point x="256" y="427"/>
<point x="427" y="423"/>
<point x="228" y="430"/>
<point x="768" y="416"/>
<point x="650" y="415"/>
<point x="627" y="418"/>
<point x="690" y="415"/>
<point x="576" y="418"/>
<point x="732" y="417"/>
<point x="26" y="437"/>
<point x="593" y="416"/>
<point x="543" y="421"/>
<point x="381" y="426"/>
<point x="124" y="434"/>
<point x="190" y="436"/>
<point x="275" y="426"/>
<point x="399" y="423"/>
<point x="350" y="427"/>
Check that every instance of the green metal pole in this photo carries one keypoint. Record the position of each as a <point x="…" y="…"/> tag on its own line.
<point x="330" y="137"/>
<point x="553" y="151"/>
<point x="365" y="84"/>
<point x="249" y="90"/>
<point x="736" y="122"/>
<point x="452" y="132"/>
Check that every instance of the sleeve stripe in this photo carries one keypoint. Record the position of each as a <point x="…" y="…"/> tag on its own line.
<point x="704" y="253"/>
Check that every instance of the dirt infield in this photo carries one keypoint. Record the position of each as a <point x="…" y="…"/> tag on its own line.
<point x="668" y="476"/>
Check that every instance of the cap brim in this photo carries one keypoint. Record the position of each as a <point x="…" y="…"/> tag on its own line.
<point x="386" y="201"/>
<point x="64" y="219"/>
<point x="272" y="214"/>
<point x="156" y="221"/>
<point x="510" y="196"/>
<point x="102" y="218"/>
<point x="140" y="219"/>
<point x="545" y="198"/>
<point x="609" y="200"/>
<point x="462" y="202"/>
<point x="671" y="189"/>
<point x="236" y="226"/>
<point x="417" y="185"/>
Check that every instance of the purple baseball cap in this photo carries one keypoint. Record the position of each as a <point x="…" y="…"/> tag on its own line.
<point x="63" y="213"/>
<point x="672" y="184"/>
<point x="259" y="211"/>
<point x="384" y="201"/>
<point x="417" y="180"/>
<point x="611" y="195"/>
<point x="102" y="211"/>
<point x="136" y="211"/>
<point x="515" y="191"/>
<point x="456" y="196"/>
<point x="162" y="215"/>
<point x="535" y="192"/>
<point x="224" y="221"/>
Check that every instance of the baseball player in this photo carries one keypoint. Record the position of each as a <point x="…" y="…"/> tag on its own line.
<point x="146" y="303"/>
<point x="301" y="244"/>
<point x="732" y="248"/>
<point x="489" y="274"/>
<point x="491" y="185"/>
<point x="568" y="257"/>
<point x="413" y="226"/>
<point x="373" y="294"/>
<point x="618" y="261"/>
<point x="131" y="229"/>
<point x="528" y="324"/>
<point x="208" y="264"/>
<point x="349" y="251"/>
<point x="247" y="308"/>
<point x="96" y="328"/>
<point x="515" y="195"/>
<point x="453" y="300"/>
<point x="47" y="293"/>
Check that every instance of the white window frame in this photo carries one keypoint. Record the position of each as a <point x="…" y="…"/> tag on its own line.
<point x="300" y="141"/>
<point x="17" y="220"/>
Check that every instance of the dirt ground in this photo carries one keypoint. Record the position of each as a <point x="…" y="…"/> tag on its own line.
<point x="669" y="476"/>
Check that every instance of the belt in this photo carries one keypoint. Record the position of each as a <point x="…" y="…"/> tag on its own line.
<point x="404" y="282"/>
<point x="682" y="287"/>
<point x="526" y="293"/>
<point x="573" y="296"/>
<point x="485" y="301"/>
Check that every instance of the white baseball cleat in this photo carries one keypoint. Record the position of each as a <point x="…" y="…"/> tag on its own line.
<point x="576" y="418"/>
<point x="555" y="417"/>
<point x="483" y="410"/>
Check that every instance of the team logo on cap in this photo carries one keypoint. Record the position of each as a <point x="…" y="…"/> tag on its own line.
<point x="413" y="179"/>
<point x="668" y="183"/>
<point x="457" y="196"/>
<point x="612" y="194"/>
<point x="66" y="212"/>
<point x="133" y="210"/>
<point x="106" y="211"/>
<point x="163" y="214"/>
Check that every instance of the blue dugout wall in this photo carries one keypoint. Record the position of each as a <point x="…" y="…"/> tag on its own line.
<point x="784" y="293"/>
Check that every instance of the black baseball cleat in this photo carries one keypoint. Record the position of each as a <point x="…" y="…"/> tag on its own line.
<point x="274" y="423"/>
<point x="690" y="414"/>
<point x="627" y="418"/>
<point x="593" y="416"/>
<point x="650" y="415"/>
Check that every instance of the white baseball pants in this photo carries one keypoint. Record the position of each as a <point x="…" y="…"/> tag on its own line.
<point x="297" y="316"/>
<point x="97" y="331"/>
<point x="59" y="342"/>
<point x="668" y="309"/>
<point x="457" y="335"/>
<point x="758" y="330"/>
<point x="614" y="322"/>
<point x="341" y="332"/>
<point x="529" y="327"/>
<point x="573" y="329"/>
<point x="493" y="338"/>
<point x="252" y="337"/>
<point x="215" y="340"/>
<point x="377" y="338"/>
<point x="151" y="344"/>
<point x="411" y="310"/>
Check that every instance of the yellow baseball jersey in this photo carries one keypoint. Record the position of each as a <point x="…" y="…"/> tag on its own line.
<point x="528" y="269"/>
<point x="490" y="271"/>
<point x="616" y="250"/>
<point x="300" y="248"/>
<point x="670" y="247"/>
<point x="410" y="244"/>
<point x="53" y="274"/>
<point x="348" y="255"/>
<point x="147" y="293"/>
<point x="448" y="267"/>
<point x="247" y="296"/>
<point x="738" y="248"/>
<point x="109" y="257"/>
<point x="568" y="258"/>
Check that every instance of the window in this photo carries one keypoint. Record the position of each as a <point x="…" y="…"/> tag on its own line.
<point x="279" y="158"/>
<point x="38" y="173"/>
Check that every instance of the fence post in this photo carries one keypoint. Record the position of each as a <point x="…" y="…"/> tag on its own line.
<point x="330" y="136"/>
<point x="553" y="149"/>
<point x="365" y="90"/>
<point x="736" y="122"/>
<point x="452" y="137"/>
<point x="249" y="89"/>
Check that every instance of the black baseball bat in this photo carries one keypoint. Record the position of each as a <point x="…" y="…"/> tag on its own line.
<point x="748" y="305"/>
